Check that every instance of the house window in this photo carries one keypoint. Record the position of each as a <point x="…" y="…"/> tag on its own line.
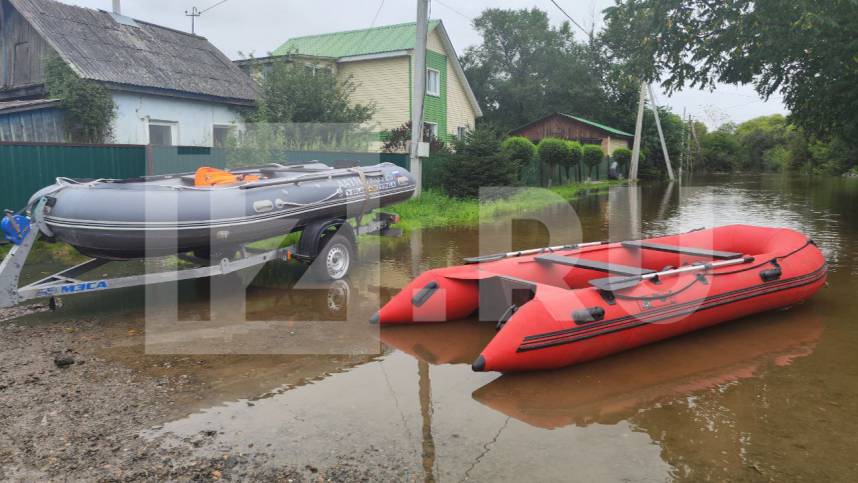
<point x="161" y="133"/>
<point x="433" y="82"/>
<point x="433" y="129"/>
<point x="461" y="132"/>
<point x="221" y="134"/>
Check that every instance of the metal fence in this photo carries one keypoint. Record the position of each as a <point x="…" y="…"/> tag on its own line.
<point x="28" y="167"/>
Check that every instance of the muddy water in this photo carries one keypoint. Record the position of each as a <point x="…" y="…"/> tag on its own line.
<point x="771" y="397"/>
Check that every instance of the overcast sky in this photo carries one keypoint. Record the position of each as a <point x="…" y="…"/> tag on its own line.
<point x="259" y="26"/>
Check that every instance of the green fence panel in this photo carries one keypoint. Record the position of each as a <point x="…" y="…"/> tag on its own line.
<point x="362" y="159"/>
<point x="26" y="168"/>
<point x="185" y="159"/>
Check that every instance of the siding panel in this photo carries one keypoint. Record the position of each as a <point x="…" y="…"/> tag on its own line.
<point x="384" y="82"/>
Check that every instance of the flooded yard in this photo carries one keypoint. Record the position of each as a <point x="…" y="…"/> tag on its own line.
<point x="769" y="397"/>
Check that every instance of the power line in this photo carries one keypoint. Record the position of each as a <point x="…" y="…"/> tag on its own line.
<point x="448" y="7"/>
<point x="195" y="12"/>
<point x="377" y="12"/>
<point x="221" y="2"/>
<point x="570" y="17"/>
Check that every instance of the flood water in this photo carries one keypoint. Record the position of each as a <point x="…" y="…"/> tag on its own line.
<point x="770" y="397"/>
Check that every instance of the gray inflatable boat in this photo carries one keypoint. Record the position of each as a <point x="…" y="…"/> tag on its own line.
<point x="163" y="215"/>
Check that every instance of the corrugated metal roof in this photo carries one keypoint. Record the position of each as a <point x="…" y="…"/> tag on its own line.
<point x="148" y="56"/>
<point x="597" y="125"/>
<point x="389" y="38"/>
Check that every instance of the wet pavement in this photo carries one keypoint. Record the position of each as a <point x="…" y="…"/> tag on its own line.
<point x="769" y="397"/>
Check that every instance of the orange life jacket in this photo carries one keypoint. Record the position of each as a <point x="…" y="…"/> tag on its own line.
<point x="206" y="176"/>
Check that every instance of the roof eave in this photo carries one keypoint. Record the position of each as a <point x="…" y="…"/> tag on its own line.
<point x="243" y="102"/>
<point x="47" y="104"/>
<point x="375" y="56"/>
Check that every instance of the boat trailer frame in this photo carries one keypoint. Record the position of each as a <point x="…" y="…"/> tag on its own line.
<point x="69" y="282"/>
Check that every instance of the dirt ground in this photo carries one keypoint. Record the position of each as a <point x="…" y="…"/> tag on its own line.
<point x="75" y="397"/>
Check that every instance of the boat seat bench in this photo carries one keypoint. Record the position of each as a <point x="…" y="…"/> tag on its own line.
<point x="696" y="252"/>
<point x="594" y="265"/>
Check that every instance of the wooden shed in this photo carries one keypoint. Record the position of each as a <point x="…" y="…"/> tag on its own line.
<point x="574" y="128"/>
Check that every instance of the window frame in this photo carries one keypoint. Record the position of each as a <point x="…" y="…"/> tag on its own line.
<point x="173" y="126"/>
<point x="434" y="130"/>
<point x="230" y="128"/>
<point x="437" y="91"/>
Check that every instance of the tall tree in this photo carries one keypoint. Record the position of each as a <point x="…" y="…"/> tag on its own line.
<point x="525" y="68"/>
<point x="291" y="93"/>
<point x="804" y="49"/>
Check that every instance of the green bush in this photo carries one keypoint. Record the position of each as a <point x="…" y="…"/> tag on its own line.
<point x="576" y="152"/>
<point x="623" y="157"/>
<point x="592" y="156"/>
<point x="552" y="152"/>
<point x="477" y="163"/>
<point x="520" y="152"/>
<point x="88" y="108"/>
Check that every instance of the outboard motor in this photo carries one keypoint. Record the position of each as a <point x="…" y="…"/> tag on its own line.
<point x="15" y="227"/>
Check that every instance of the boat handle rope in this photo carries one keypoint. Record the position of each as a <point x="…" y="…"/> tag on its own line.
<point x="706" y="270"/>
<point x="773" y="260"/>
<point x="62" y="180"/>
<point x="301" y="205"/>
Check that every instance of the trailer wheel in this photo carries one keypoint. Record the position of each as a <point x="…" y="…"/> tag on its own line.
<point x="334" y="259"/>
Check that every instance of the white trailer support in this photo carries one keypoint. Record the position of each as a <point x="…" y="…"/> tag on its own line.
<point x="70" y="282"/>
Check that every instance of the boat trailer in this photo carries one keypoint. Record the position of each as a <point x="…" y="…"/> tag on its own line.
<point x="70" y="281"/>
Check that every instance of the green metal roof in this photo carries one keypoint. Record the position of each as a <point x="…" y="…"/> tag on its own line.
<point x="389" y="38"/>
<point x="597" y="125"/>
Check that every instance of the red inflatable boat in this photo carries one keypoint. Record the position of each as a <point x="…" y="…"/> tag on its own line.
<point x="560" y="306"/>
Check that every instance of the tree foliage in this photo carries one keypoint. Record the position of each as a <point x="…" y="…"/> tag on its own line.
<point x="525" y="68"/>
<point x="592" y="155"/>
<point x="553" y="152"/>
<point x="652" y="163"/>
<point x="720" y="151"/>
<point x="291" y="93"/>
<point x="771" y="143"/>
<point x="576" y="152"/>
<point x="519" y="150"/>
<point x="396" y="140"/>
<point x="804" y="49"/>
<point x="476" y="163"/>
<point x="88" y="108"/>
<point x="623" y="157"/>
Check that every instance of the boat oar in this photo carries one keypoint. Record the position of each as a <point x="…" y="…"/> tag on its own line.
<point x="613" y="284"/>
<point x="500" y="256"/>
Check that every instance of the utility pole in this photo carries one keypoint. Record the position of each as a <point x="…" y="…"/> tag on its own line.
<point x="696" y="142"/>
<point x="636" y="148"/>
<point x="660" y="133"/>
<point x="418" y="92"/>
<point x="193" y="13"/>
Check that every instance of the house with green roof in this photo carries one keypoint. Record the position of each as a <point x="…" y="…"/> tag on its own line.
<point x="380" y="63"/>
<point x="575" y="128"/>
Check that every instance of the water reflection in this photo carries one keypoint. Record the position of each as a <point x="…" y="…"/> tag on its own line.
<point x="617" y="388"/>
<point x="767" y="397"/>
